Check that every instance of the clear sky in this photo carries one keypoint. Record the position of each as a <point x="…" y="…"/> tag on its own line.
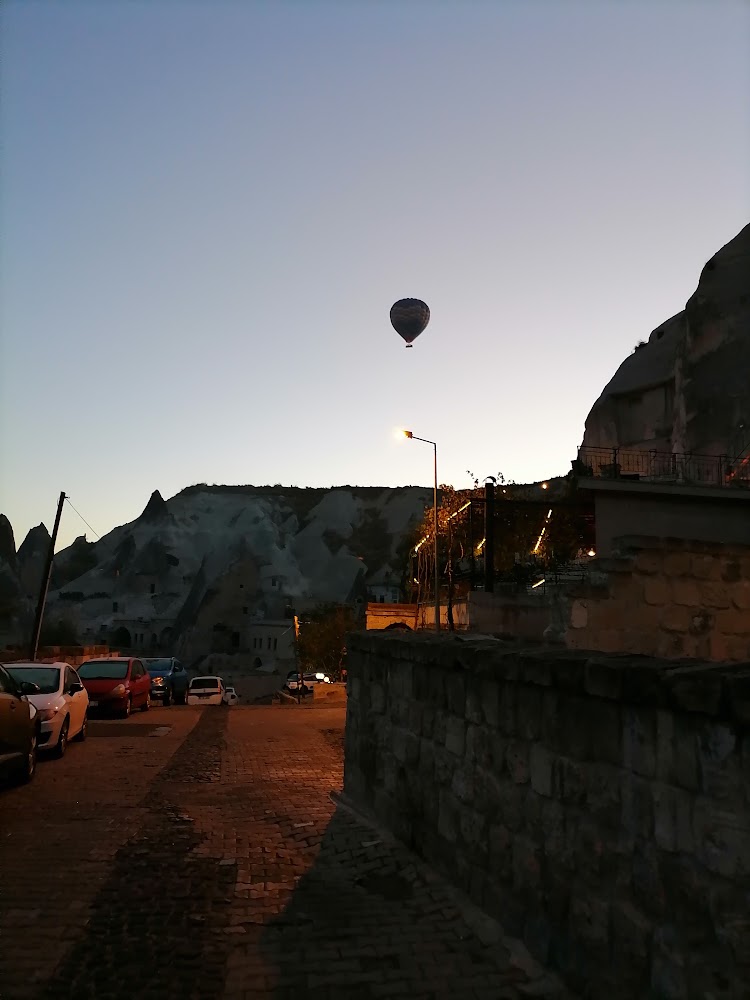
<point x="209" y="208"/>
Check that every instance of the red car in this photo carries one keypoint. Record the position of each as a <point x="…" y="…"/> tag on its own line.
<point x="118" y="684"/>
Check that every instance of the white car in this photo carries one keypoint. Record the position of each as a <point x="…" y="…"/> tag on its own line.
<point x="231" y="697"/>
<point x="62" y="703"/>
<point x="206" y="691"/>
<point x="292" y="681"/>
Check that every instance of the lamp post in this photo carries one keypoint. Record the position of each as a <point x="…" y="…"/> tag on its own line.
<point x="413" y="437"/>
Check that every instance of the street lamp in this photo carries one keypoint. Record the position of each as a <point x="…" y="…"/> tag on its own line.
<point x="413" y="437"/>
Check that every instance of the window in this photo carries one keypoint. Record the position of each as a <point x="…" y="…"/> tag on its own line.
<point x="274" y="581"/>
<point x="244" y="611"/>
<point x="275" y="643"/>
<point x="153" y="588"/>
<point x="235" y="640"/>
<point x="114" y="605"/>
<point x="69" y="678"/>
<point x="269" y="642"/>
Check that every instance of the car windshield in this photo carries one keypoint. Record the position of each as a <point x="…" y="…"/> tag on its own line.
<point x="103" y="670"/>
<point x="159" y="665"/>
<point x="47" y="679"/>
<point x="204" y="682"/>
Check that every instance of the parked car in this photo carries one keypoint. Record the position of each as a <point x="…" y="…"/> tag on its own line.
<point x="308" y="680"/>
<point x="169" y="679"/>
<point x="117" y="684"/>
<point x="19" y="728"/>
<point x="230" y="696"/>
<point x="61" y="702"/>
<point x="206" y="691"/>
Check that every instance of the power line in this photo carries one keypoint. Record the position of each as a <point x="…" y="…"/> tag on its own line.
<point x="84" y="519"/>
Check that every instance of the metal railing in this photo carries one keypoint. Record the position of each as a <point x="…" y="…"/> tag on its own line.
<point x="660" y="466"/>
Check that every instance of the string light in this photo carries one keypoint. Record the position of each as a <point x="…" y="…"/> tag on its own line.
<point x="541" y="533"/>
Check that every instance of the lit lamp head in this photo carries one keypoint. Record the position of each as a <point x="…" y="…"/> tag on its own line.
<point x="407" y="434"/>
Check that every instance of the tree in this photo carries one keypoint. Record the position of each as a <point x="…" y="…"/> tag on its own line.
<point x="321" y="642"/>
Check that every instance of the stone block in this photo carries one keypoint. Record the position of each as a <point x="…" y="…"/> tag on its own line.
<point x="473" y="828"/>
<point x="527" y="863"/>
<point x="439" y="726"/>
<point x="573" y="717"/>
<point x="738" y="696"/>
<point x="445" y="764"/>
<point x="449" y="810"/>
<point x="498" y="746"/>
<point x="731" y="571"/>
<point x="377" y="698"/>
<point x="705" y="567"/>
<point x="677" y="564"/>
<point x="637" y="808"/>
<point x="603" y="679"/>
<point x="415" y="717"/>
<point x="436" y="687"/>
<point x="455" y="692"/>
<point x="695" y="689"/>
<point x="569" y="780"/>
<point x="473" y="710"/>
<point x="549" y="726"/>
<point x="656" y="590"/>
<point x="686" y="591"/>
<point x="535" y="669"/>
<point x="478" y="750"/>
<point x="665" y="816"/>
<point x="717" y="759"/>
<point x="605" y="727"/>
<point x="462" y="784"/>
<point x="540" y="770"/>
<point x="427" y="760"/>
<point x="507" y="708"/>
<point x="722" y="838"/>
<point x="455" y="735"/>
<point x="517" y="761"/>
<point x="639" y="740"/>
<point x="667" y="965"/>
<point x="714" y="594"/>
<point x="579" y="615"/>
<point x="500" y="841"/>
<point x="603" y="794"/>
<point x="686" y="742"/>
<point x="740" y="593"/>
<point x="676" y="618"/>
<point x="648" y="890"/>
<point x="528" y="712"/>
<point x="491" y="702"/>
<point x="732" y="622"/>
<point x="510" y="798"/>
<point x="428" y="721"/>
<point x="648" y="562"/>
<point x="552" y="823"/>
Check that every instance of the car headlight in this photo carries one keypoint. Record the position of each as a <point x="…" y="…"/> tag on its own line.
<point x="47" y="714"/>
<point x="158" y="680"/>
<point x="119" y="691"/>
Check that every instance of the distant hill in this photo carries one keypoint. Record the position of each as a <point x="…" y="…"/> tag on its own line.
<point x="266" y="547"/>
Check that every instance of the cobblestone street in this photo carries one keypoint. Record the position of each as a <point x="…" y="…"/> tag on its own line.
<point x="188" y="853"/>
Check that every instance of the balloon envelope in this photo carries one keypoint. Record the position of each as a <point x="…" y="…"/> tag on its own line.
<point x="409" y="317"/>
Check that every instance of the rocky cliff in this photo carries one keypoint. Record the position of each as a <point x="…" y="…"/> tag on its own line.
<point x="271" y="547"/>
<point x="687" y="389"/>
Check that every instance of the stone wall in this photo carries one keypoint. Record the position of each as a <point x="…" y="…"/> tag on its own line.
<point x="669" y="598"/>
<point x="598" y="806"/>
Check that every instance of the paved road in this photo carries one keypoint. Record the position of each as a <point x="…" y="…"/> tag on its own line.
<point x="200" y="853"/>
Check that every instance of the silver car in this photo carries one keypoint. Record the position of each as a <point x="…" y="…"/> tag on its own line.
<point x="61" y="702"/>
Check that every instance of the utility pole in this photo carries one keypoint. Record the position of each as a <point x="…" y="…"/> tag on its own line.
<point x="45" y="582"/>
<point x="489" y="534"/>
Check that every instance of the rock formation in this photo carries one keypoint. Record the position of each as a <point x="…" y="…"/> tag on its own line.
<point x="687" y="390"/>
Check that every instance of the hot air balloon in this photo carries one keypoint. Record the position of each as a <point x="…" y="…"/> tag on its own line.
<point x="409" y="317"/>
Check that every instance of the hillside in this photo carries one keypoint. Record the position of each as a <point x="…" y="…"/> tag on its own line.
<point x="266" y="548"/>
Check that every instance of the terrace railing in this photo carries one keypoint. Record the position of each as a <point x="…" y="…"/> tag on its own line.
<point x="665" y="467"/>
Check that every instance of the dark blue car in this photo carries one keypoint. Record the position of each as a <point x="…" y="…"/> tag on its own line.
<point x="169" y="679"/>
